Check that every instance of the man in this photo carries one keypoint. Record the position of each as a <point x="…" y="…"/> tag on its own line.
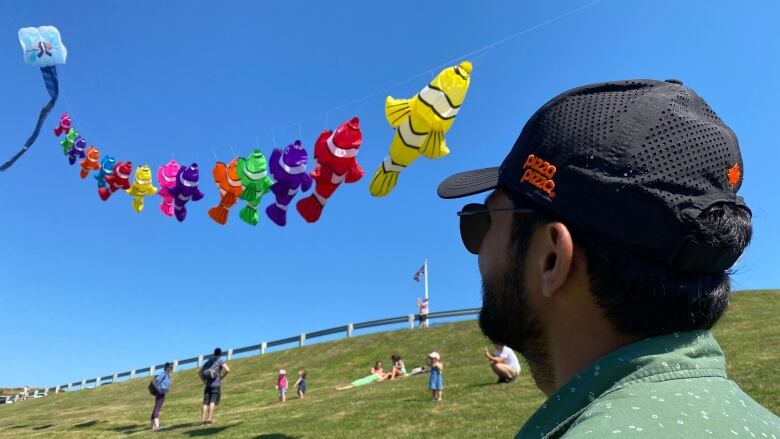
<point x="604" y="251"/>
<point x="503" y="363"/>
<point x="422" y="305"/>
<point x="162" y="384"/>
<point x="212" y="373"/>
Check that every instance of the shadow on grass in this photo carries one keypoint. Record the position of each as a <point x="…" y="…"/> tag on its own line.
<point x="209" y="431"/>
<point x="86" y="424"/>
<point x="276" y="436"/>
<point x="19" y="426"/>
<point x="180" y="426"/>
<point x="43" y="427"/>
<point x="130" y="429"/>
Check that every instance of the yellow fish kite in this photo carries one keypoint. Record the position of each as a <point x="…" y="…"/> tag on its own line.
<point x="142" y="187"/>
<point x="420" y="124"/>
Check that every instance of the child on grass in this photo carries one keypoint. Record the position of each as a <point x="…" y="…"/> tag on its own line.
<point x="281" y="385"/>
<point x="301" y="383"/>
<point x="435" y="382"/>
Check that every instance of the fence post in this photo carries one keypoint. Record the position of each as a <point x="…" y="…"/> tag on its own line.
<point x="57" y="389"/>
<point x="230" y="354"/>
<point x="97" y="382"/>
<point x="350" y="328"/>
<point x="411" y="321"/>
<point x="200" y="361"/>
<point x="83" y="384"/>
<point x="132" y="374"/>
<point x="70" y="386"/>
<point x="263" y="347"/>
<point x="301" y="340"/>
<point x="113" y="379"/>
<point x="151" y="370"/>
<point x="175" y="365"/>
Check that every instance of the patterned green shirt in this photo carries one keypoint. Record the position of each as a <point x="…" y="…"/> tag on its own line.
<point x="670" y="386"/>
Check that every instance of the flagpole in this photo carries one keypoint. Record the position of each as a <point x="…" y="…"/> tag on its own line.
<point x="426" y="281"/>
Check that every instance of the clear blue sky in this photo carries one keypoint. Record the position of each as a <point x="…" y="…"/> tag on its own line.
<point x="91" y="288"/>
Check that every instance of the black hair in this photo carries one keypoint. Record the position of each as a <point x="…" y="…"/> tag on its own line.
<point x="168" y="366"/>
<point x="644" y="297"/>
<point x="217" y="353"/>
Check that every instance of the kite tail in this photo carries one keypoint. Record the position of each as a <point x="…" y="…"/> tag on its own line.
<point x="310" y="208"/>
<point x="104" y="193"/>
<point x="249" y="215"/>
<point x="52" y="86"/>
<point x="166" y="208"/>
<point x="277" y="213"/>
<point x="219" y="214"/>
<point x="385" y="178"/>
<point x="138" y="204"/>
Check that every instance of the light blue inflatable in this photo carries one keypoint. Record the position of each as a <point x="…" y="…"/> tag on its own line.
<point x="42" y="46"/>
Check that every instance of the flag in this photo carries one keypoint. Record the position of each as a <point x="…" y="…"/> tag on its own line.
<point x="420" y="273"/>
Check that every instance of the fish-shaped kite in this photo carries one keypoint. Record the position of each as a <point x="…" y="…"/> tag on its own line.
<point x="186" y="189"/>
<point x="142" y="187"/>
<point x="90" y="162"/>
<point x="420" y="124"/>
<point x="288" y="169"/>
<point x="78" y="150"/>
<point x="166" y="177"/>
<point x="253" y="172"/>
<point x="105" y="170"/>
<point x="42" y="47"/>
<point x="230" y="187"/>
<point x="119" y="179"/>
<point x="336" y="157"/>
<point x="64" y="126"/>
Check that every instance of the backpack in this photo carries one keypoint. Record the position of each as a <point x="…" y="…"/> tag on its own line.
<point x="211" y="373"/>
<point x="154" y="390"/>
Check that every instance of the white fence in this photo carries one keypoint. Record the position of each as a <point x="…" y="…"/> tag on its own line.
<point x="300" y="339"/>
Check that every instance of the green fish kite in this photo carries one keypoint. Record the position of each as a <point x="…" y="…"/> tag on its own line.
<point x="253" y="174"/>
<point x="70" y="140"/>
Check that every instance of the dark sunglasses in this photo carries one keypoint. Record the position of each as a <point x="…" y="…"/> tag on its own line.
<point x="475" y="223"/>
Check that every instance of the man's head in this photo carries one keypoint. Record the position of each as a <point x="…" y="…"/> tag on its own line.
<point x="217" y="352"/>
<point x="168" y="367"/>
<point x="614" y="214"/>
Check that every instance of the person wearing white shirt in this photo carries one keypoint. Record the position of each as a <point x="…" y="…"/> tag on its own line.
<point x="503" y="363"/>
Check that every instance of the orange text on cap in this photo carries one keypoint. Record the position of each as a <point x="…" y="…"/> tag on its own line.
<point x="539" y="173"/>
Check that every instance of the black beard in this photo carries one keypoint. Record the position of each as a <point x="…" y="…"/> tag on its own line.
<point x="507" y="318"/>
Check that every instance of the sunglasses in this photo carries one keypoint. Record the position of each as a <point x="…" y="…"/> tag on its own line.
<point x="475" y="223"/>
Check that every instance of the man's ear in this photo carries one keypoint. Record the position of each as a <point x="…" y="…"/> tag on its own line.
<point x="557" y="254"/>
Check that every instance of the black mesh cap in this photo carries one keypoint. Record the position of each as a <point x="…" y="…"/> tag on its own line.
<point x="633" y="161"/>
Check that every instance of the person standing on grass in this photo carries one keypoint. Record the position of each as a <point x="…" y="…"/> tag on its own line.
<point x="503" y="363"/>
<point x="281" y="385"/>
<point x="161" y="384"/>
<point x="605" y="249"/>
<point x="435" y="382"/>
<point x="422" y="305"/>
<point x="212" y="373"/>
<point x="301" y="383"/>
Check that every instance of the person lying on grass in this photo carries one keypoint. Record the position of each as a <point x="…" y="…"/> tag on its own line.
<point x="377" y="374"/>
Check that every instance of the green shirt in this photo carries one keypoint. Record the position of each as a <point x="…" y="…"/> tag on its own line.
<point x="670" y="386"/>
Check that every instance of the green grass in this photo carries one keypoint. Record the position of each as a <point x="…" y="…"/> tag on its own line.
<point x="473" y="406"/>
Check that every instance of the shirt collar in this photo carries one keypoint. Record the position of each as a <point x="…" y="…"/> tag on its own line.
<point x="670" y="356"/>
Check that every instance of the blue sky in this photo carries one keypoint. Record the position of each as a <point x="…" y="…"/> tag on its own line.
<point x="91" y="288"/>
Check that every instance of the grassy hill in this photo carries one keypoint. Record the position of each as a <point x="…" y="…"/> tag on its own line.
<point x="473" y="406"/>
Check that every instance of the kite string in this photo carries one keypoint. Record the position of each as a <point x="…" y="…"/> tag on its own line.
<point x="482" y="52"/>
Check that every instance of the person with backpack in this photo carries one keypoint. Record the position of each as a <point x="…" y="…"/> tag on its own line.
<point x="212" y="373"/>
<point x="158" y="388"/>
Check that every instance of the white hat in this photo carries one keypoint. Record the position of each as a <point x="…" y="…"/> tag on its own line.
<point x="434" y="355"/>
<point x="282" y="372"/>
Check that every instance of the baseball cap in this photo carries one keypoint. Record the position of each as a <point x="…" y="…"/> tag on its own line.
<point x="633" y="161"/>
<point x="434" y="355"/>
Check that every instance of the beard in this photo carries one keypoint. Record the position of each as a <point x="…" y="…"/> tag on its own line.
<point x="507" y="317"/>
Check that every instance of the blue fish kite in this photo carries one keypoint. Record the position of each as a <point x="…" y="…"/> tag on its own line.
<point x="42" y="48"/>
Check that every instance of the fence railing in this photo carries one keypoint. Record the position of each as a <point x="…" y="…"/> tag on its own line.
<point x="300" y="339"/>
